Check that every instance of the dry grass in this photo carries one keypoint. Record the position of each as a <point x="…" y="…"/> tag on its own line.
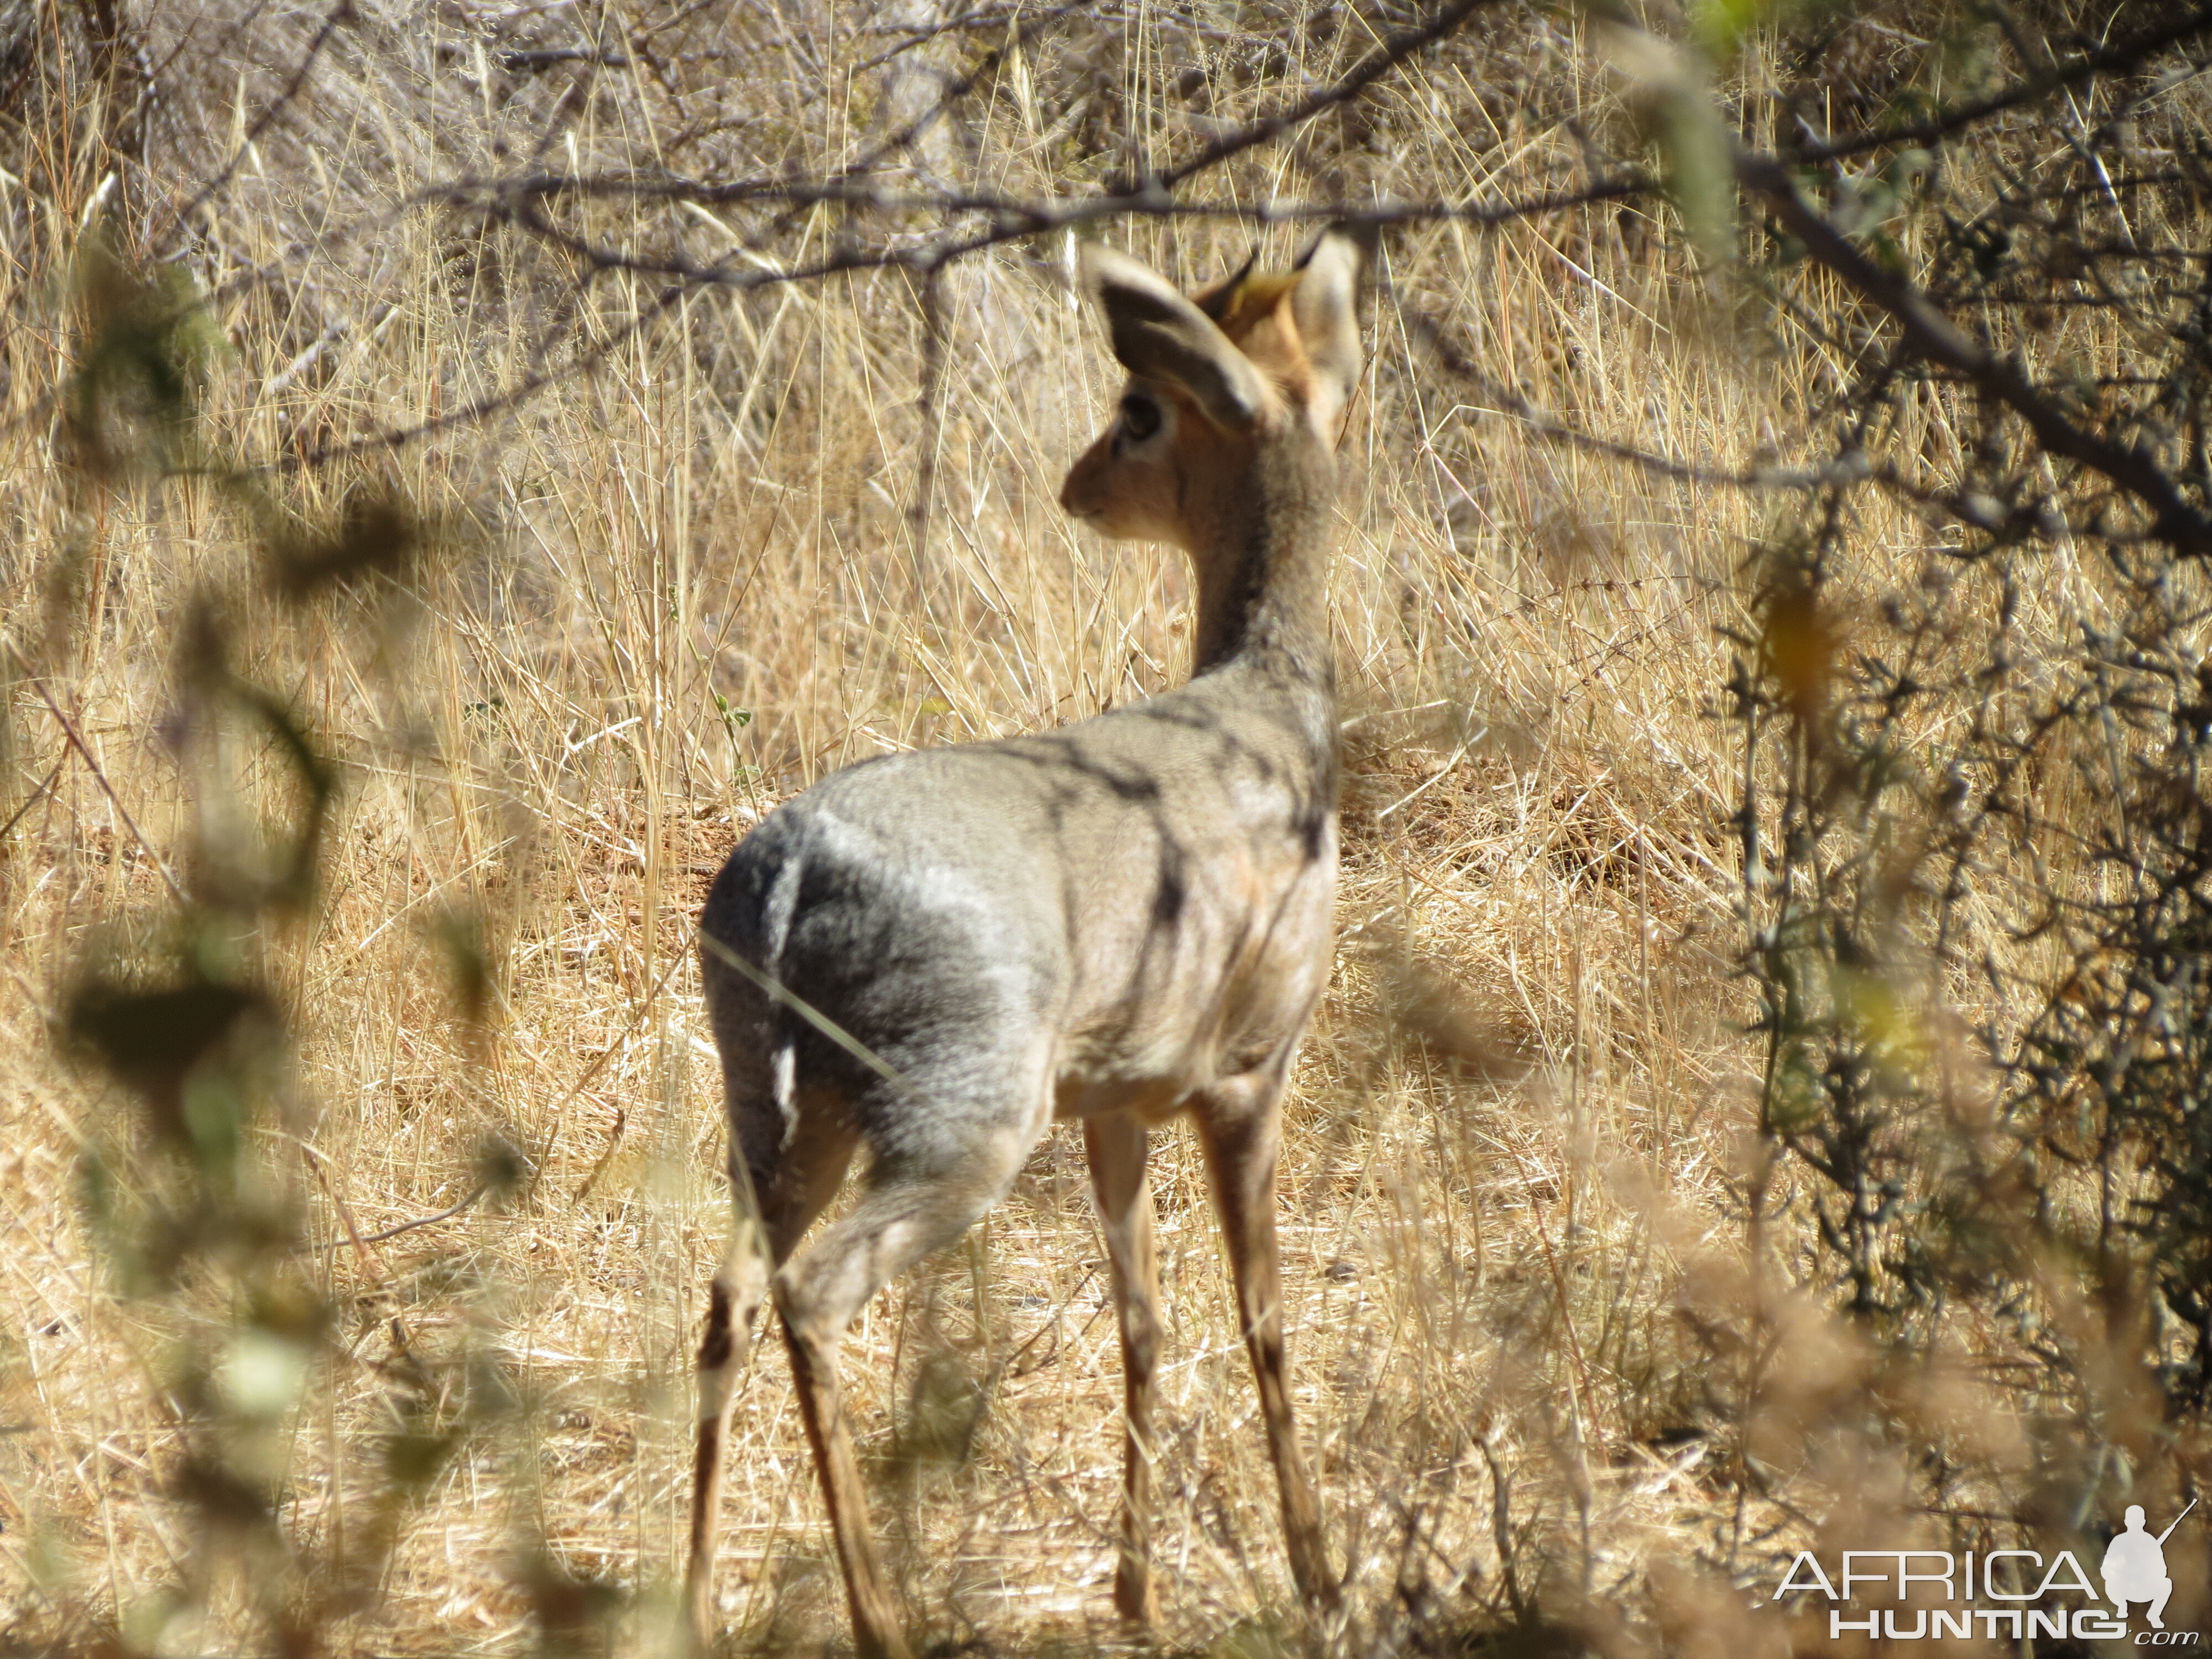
<point x="1512" y="1195"/>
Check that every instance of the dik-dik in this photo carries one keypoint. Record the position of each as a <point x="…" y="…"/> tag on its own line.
<point x="1124" y="921"/>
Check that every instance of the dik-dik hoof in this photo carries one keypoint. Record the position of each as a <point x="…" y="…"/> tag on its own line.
<point x="1134" y="1598"/>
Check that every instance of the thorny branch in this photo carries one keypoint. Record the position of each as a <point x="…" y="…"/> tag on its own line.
<point x="341" y="13"/>
<point x="2114" y="59"/>
<point x="1975" y="857"/>
<point x="1935" y="336"/>
<point x="1365" y="74"/>
<point x="522" y="201"/>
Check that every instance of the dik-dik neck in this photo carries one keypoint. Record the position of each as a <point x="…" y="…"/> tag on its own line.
<point x="1263" y="572"/>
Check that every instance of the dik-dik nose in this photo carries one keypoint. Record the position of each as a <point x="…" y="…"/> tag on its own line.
<point x="1081" y="494"/>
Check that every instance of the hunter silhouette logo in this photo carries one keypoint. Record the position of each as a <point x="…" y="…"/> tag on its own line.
<point x="2134" y="1566"/>
<point x="2013" y="1595"/>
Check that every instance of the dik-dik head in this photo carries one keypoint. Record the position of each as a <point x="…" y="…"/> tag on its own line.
<point x="1239" y="386"/>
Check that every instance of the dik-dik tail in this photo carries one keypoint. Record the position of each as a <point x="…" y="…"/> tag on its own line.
<point x="758" y="1139"/>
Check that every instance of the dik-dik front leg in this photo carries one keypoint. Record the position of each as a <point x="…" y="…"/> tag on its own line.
<point x="1239" y="1124"/>
<point x="1115" y="1143"/>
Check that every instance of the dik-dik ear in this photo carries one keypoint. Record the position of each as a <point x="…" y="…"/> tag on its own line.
<point x="1158" y="335"/>
<point x="1328" y="316"/>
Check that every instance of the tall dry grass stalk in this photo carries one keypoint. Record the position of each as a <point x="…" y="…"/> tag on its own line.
<point x="689" y="574"/>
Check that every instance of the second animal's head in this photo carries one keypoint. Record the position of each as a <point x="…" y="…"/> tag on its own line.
<point x="1235" y="381"/>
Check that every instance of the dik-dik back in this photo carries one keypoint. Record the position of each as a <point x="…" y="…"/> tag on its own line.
<point x="1137" y="905"/>
<point x="932" y="954"/>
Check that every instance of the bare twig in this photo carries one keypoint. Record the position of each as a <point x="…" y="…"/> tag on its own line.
<point x="1932" y="335"/>
<point x="1369" y="69"/>
<point x="84" y="751"/>
<point x="516" y="200"/>
<point x="904" y="138"/>
<point x="1843" y="469"/>
<point x="1023" y="220"/>
<point x="599" y="1164"/>
<point x="375" y="1264"/>
<point x="482" y="407"/>
<point x="560" y="1113"/>
<point x="2110" y="60"/>
<point x="1021" y="216"/>
<point x="30" y="800"/>
<point x="341" y="13"/>
<point x="983" y="19"/>
<point x="359" y="1239"/>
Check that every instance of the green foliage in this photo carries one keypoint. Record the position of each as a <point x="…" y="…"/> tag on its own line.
<point x="192" y="1185"/>
<point x="375" y="536"/>
<point x="1977" y="852"/>
<point x="132" y="402"/>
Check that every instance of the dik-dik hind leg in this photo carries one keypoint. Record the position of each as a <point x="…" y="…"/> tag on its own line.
<point x="1240" y="1127"/>
<point x="907" y="1213"/>
<point x="790" y="1191"/>
<point x="735" y="1295"/>
<point x="1115" y="1143"/>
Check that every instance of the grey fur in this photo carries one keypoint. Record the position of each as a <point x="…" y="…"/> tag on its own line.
<point x="1119" y="921"/>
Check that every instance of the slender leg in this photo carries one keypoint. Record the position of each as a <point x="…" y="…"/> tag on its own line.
<point x="793" y="1185"/>
<point x="904" y="1215"/>
<point x="733" y="1297"/>
<point x="876" y="1631"/>
<point x="1115" y="1143"/>
<point x="1241" y="1125"/>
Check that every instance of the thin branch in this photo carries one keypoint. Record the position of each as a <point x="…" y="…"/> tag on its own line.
<point x="357" y="1241"/>
<point x="32" y="799"/>
<point x="983" y="19"/>
<point x="985" y="68"/>
<point x="1017" y="219"/>
<point x="2109" y="60"/>
<point x="1033" y="220"/>
<point x="1024" y="216"/>
<point x="1932" y="335"/>
<point x="375" y="1263"/>
<point x="76" y="742"/>
<point x="1369" y="69"/>
<point x="559" y="1115"/>
<point x="516" y="59"/>
<point x="341" y="13"/>
<point x="1844" y="469"/>
<point x="483" y="408"/>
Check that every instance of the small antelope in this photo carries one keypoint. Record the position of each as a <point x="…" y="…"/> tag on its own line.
<point x="933" y="955"/>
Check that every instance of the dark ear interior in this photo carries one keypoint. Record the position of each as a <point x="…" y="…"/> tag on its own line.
<point x="1216" y="301"/>
<point x="1160" y="335"/>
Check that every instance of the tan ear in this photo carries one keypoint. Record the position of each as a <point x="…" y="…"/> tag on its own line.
<point x="1159" y="335"/>
<point x="1325" y="306"/>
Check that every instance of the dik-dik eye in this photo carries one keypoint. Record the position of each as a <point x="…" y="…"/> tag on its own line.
<point x="1140" y="417"/>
